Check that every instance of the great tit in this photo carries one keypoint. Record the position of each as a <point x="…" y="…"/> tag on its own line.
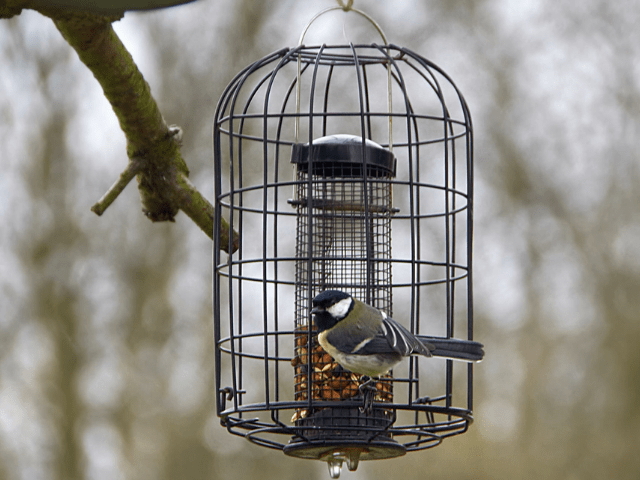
<point x="366" y="341"/>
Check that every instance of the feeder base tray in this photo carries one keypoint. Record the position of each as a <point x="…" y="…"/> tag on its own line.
<point x="323" y="449"/>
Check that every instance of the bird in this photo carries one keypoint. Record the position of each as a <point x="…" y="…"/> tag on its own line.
<point x="365" y="341"/>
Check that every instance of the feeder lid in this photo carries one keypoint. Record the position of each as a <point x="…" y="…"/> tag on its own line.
<point x="342" y="156"/>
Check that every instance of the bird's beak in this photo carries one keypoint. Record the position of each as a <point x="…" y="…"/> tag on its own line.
<point x="316" y="310"/>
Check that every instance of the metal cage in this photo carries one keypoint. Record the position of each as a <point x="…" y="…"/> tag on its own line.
<point x="350" y="167"/>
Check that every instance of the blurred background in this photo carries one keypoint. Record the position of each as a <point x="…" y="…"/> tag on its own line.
<point x="106" y="350"/>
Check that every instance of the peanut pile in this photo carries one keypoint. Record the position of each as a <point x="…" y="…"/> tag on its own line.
<point x="329" y="381"/>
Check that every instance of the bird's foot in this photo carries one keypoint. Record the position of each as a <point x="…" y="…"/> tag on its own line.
<point x="368" y="390"/>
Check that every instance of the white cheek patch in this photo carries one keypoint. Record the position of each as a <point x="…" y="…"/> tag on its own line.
<point x="339" y="310"/>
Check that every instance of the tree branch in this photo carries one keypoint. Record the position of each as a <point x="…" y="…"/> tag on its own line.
<point x="201" y="212"/>
<point x="152" y="146"/>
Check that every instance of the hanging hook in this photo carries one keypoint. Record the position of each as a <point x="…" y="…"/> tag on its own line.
<point x="346" y="7"/>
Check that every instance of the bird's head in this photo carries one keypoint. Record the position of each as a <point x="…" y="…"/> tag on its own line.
<point x="331" y="306"/>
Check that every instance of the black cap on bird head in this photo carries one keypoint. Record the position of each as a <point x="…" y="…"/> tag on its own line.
<point x="328" y="298"/>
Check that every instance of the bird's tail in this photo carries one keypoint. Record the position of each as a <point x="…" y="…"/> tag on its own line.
<point x="454" y="348"/>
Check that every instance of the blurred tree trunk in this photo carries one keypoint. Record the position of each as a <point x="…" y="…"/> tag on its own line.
<point x="50" y="259"/>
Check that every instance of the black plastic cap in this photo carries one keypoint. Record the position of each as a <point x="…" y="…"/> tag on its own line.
<point x="342" y="156"/>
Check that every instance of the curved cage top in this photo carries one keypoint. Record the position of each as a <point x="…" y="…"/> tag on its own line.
<point x="397" y="236"/>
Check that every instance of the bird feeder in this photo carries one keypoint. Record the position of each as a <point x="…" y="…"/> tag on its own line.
<point x="344" y="167"/>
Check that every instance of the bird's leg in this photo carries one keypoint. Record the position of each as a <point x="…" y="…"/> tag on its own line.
<point x="368" y="390"/>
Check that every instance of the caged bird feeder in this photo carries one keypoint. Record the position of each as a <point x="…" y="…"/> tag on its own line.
<point x="345" y="167"/>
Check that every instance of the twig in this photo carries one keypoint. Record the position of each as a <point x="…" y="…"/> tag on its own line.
<point x="134" y="167"/>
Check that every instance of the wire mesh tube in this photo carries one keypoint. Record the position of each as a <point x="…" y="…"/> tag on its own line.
<point x="344" y="208"/>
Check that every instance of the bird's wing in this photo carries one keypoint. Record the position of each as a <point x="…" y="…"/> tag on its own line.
<point x="402" y="340"/>
<point x="393" y="338"/>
